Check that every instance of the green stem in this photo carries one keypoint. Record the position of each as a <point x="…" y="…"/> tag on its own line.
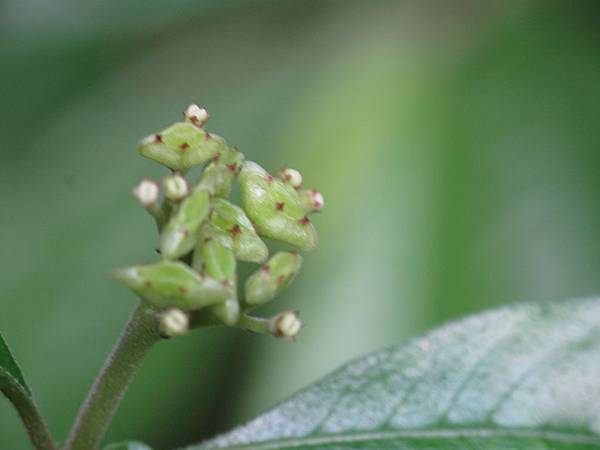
<point x="256" y="324"/>
<point x="94" y="417"/>
<point x="31" y="417"/>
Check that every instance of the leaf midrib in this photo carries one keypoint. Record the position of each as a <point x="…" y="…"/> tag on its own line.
<point x="408" y="434"/>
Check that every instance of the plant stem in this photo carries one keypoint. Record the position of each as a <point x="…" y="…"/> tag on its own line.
<point x="117" y="373"/>
<point x="255" y="324"/>
<point x="31" y="417"/>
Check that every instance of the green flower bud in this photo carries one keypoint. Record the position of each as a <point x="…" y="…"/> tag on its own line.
<point x="208" y="232"/>
<point x="196" y="115"/>
<point x="218" y="262"/>
<point x="181" y="232"/>
<point x="228" y="311"/>
<point x="176" y="187"/>
<point x="272" y="278"/>
<point x="219" y="175"/>
<point x="182" y="146"/>
<point x="286" y="325"/>
<point x="291" y="177"/>
<point x="275" y="208"/>
<point x="232" y="220"/>
<point x="172" y="284"/>
<point x="173" y="322"/>
<point x="312" y="200"/>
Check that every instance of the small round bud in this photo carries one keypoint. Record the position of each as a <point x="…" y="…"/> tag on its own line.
<point x="291" y="177"/>
<point x="176" y="187"/>
<point x="286" y="325"/>
<point x="146" y="192"/>
<point x="196" y="115"/>
<point x="173" y="322"/>
<point x="312" y="200"/>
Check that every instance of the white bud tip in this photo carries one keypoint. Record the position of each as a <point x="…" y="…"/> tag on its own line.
<point x="176" y="187"/>
<point x="317" y="200"/>
<point x="292" y="177"/>
<point x="146" y="192"/>
<point x="196" y="115"/>
<point x="286" y="325"/>
<point x="174" y="322"/>
<point x="148" y="139"/>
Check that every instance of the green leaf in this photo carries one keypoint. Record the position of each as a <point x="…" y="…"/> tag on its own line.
<point x="14" y="387"/>
<point x="10" y="373"/>
<point x="522" y="377"/>
<point x="131" y="445"/>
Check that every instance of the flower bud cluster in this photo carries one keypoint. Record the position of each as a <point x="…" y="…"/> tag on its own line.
<point x="203" y="235"/>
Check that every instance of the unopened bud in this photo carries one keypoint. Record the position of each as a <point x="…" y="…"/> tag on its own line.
<point x="291" y="177"/>
<point x="286" y="325"/>
<point x="196" y="115"/>
<point x="181" y="232"/>
<point x="312" y="200"/>
<point x="146" y="192"/>
<point x="169" y="284"/>
<point x="228" y="311"/>
<point x="173" y="322"/>
<point x="176" y="187"/>
<point x="272" y="278"/>
<point x="232" y="220"/>
<point x="182" y="146"/>
<point x="275" y="208"/>
<point x="219" y="175"/>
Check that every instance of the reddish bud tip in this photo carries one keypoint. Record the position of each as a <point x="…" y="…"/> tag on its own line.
<point x="279" y="206"/>
<point x="235" y="229"/>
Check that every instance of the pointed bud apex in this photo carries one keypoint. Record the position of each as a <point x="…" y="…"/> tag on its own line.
<point x="291" y="177"/>
<point x="173" y="322"/>
<point x="147" y="192"/>
<point x="196" y="115"/>
<point x="176" y="187"/>
<point x="312" y="200"/>
<point x="286" y="325"/>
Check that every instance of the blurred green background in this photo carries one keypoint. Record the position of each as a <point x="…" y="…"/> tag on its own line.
<point x="456" y="143"/>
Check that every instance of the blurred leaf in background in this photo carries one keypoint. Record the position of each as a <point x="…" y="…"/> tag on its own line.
<point x="456" y="144"/>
